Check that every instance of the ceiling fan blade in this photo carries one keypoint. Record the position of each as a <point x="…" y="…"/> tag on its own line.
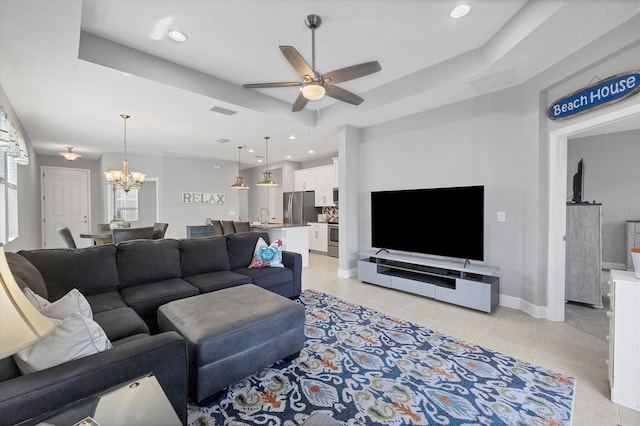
<point x="300" y="103"/>
<point x="263" y="85"/>
<point x="343" y="95"/>
<point x="349" y="73"/>
<point x="297" y="61"/>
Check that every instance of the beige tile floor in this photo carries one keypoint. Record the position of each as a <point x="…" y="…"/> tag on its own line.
<point x="556" y="346"/>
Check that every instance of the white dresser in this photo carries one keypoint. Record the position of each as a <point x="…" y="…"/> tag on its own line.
<point x="624" y="339"/>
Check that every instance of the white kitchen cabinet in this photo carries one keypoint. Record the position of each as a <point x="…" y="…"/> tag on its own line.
<point x="325" y="182"/>
<point x="305" y="180"/>
<point x="321" y="179"/>
<point x="624" y="339"/>
<point x="318" y="237"/>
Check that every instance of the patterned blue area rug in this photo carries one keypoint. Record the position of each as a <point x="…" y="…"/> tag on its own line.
<point x="362" y="367"/>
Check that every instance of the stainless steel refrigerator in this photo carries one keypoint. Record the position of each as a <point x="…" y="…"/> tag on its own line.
<point x="299" y="208"/>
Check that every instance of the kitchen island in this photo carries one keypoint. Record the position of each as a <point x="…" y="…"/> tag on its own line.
<point x="294" y="238"/>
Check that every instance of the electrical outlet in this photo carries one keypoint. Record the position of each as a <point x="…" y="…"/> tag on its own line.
<point x="502" y="216"/>
<point x="232" y="212"/>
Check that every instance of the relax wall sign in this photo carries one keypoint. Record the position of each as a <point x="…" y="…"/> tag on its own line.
<point x="605" y="92"/>
<point x="202" y="198"/>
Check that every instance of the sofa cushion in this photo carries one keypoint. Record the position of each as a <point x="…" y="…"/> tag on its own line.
<point x="145" y="299"/>
<point x="26" y="274"/>
<point x="241" y="246"/>
<point x="92" y="270"/>
<point x="120" y="323"/>
<point x="213" y="281"/>
<point x="268" y="277"/>
<point x="147" y="261"/>
<point x="201" y="255"/>
<point x="106" y="301"/>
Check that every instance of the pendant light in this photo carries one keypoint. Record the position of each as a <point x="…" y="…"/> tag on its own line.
<point x="69" y="155"/>
<point x="123" y="179"/>
<point x="267" y="179"/>
<point x="239" y="179"/>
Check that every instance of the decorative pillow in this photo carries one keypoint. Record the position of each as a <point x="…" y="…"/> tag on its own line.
<point x="267" y="256"/>
<point x="72" y="302"/>
<point x="74" y="337"/>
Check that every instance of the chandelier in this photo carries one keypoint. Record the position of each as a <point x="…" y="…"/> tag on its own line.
<point x="267" y="179"/>
<point x="123" y="179"/>
<point x="239" y="179"/>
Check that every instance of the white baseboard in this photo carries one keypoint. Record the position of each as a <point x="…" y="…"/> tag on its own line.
<point x="347" y="273"/>
<point x="522" y="305"/>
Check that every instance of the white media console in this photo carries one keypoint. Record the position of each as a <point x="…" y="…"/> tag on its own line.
<point x="470" y="285"/>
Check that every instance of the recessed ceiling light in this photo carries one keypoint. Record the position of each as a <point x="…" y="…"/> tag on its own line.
<point x="460" y="11"/>
<point x="178" y="36"/>
<point x="250" y="150"/>
<point x="311" y="151"/>
<point x="259" y="161"/>
<point x="288" y="157"/>
<point x="292" y="137"/>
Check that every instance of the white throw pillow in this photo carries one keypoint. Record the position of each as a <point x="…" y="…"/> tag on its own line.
<point x="74" y="337"/>
<point x="267" y="256"/>
<point x="72" y="302"/>
<point x="36" y="300"/>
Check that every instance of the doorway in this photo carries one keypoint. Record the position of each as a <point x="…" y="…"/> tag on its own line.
<point x="557" y="189"/>
<point x="66" y="197"/>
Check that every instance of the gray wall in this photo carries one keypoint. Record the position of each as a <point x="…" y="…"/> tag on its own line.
<point x="611" y="177"/>
<point x="498" y="140"/>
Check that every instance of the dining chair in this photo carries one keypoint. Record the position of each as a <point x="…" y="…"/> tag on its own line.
<point x="104" y="227"/>
<point x="217" y="227"/>
<point x="227" y="227"/>
<point x="241" y="226"/>
<point x="159" y="229"/>
<point x="126" y="234"/>
<point x="65" y="233"/>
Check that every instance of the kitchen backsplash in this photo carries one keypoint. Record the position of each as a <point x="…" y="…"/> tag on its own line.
<point x="331" y="213"/>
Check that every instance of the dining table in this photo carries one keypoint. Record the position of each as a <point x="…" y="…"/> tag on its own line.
<point x="99" y="237"/>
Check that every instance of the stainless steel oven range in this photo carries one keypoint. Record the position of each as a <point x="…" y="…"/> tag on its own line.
<point x="332" y="242"/>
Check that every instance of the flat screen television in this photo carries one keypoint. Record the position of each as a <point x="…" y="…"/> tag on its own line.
<point x="437" y="221"/>
<point x="578" y="180"/>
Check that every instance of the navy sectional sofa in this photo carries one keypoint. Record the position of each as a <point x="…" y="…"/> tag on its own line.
<point x="125" y="285"/>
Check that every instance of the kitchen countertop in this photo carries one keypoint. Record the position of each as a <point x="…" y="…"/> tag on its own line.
<point x="277" y="226"/>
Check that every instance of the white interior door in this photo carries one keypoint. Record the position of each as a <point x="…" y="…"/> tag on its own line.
<point x="65" y="202"/>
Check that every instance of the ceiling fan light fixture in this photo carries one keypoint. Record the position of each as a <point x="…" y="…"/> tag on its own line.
<point x="69" y="155"/>
<point x="313" y="91"/>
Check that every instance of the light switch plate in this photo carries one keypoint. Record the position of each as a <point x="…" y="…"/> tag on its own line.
<point x="502" y="216"/>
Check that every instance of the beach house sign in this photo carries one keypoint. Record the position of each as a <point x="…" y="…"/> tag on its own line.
<point x="605" y="92"/>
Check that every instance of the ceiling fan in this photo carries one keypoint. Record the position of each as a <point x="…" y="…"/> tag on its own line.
<point x="315" y="85"/>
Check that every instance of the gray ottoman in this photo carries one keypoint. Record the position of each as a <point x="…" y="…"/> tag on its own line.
<point x="233" y="333"/>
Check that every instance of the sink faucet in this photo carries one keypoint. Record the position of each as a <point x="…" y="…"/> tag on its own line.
<point x="264" y="209"/>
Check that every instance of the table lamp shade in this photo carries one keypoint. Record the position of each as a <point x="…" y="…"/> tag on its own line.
<point x="20" y="322"/>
